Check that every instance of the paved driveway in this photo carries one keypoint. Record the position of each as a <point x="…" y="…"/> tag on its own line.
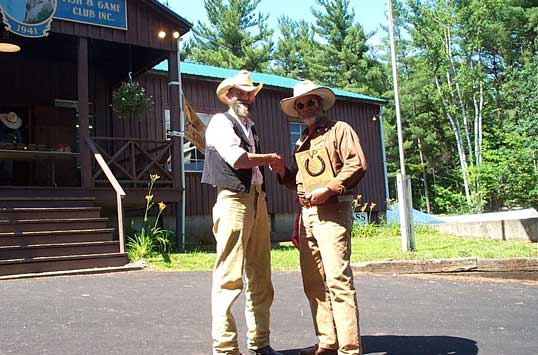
<point x="169" y="313"/>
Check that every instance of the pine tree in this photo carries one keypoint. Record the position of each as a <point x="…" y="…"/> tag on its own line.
<point x="296" y="49"/>
<point x="236" y="36"/>
<point x="344" y="62"/>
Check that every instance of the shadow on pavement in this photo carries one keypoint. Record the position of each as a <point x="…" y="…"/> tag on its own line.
<point x="412" y="345"/>
<point x="418" y="345"/>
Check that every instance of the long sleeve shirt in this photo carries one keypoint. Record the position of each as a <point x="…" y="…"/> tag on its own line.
<point x="345" y="153"/>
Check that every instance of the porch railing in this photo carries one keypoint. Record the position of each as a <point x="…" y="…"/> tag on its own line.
<point x="133" y="159"/>
<point x="115" y="184"/>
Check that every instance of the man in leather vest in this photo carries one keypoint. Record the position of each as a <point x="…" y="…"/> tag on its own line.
<point x="329" y="162"/>
<point x="240" y="224"/>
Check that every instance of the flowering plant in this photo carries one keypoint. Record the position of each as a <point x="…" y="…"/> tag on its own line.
<point x="151" y="238"/>
<point x="130" y="99"/>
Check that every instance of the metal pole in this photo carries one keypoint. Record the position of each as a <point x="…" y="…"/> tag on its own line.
<point x="404" y="196"/>
<point x="181" y="142"/>
<point x="396" y="91"/>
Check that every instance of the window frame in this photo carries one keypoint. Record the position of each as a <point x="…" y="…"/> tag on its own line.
<point x="205" y="115"/>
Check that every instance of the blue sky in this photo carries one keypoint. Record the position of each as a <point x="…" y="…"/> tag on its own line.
<point x="369" y="13"/>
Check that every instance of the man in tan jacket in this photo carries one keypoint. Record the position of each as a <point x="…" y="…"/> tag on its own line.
<point x="329" y="162"/>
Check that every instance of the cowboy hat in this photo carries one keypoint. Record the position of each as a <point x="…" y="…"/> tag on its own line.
<point x="11" y="120"/>
<point x="304" y="88"/>
<point x="241" y="81"/>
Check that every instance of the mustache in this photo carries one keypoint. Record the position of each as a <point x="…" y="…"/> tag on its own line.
<point x="241" y="109"/>
<point x="244" y="103"/>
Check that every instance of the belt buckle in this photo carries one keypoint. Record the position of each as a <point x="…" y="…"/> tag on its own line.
<point x="304" y="202"/>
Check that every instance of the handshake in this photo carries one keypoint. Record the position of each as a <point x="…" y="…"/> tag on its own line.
<point x="276" y="163"/>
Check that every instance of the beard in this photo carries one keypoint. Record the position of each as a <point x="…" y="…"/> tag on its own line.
<point x="312" y="120"/>
<point x="241" y="109"/>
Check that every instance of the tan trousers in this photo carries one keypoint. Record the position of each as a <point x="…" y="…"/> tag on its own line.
<point x="325" y="245"/>
<point x="243" y="247"/>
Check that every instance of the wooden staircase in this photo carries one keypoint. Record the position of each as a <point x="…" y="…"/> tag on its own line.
<point x="44" y="234"/>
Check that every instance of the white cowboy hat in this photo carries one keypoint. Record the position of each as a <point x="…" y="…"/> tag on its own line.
<point x="241" y="81"/>
<point x="11" y="120"/>
<point x="304" y="88"/>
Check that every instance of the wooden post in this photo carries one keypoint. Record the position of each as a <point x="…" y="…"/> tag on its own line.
<point x="83" y="113"/>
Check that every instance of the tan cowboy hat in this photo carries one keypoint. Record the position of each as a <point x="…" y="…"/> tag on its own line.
<point x="241" y="81"/>
<point x="304" y="88"/>
<point x="11" y="120"/>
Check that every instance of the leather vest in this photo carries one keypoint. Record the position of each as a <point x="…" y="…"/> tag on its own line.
<point x="219" y="173"/>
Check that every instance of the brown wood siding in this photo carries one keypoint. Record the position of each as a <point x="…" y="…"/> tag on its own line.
<point x="273" y="128"/>
<point x="200" y="197"/>
<point x="144" y="21"/>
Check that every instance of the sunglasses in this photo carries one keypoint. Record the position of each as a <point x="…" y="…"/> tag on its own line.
<point x="309" y="103"/>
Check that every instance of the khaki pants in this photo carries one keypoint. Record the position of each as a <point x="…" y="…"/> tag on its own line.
<point x="243" y="246"/>
<point x="325" y="245"/>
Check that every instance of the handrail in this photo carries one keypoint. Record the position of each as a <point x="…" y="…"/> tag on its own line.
<point x="115" y="184"/>
<point x="126" y="160"/>
<point x="128" y="139"/>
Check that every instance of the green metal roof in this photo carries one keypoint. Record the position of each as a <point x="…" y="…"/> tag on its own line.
<point x="208" y="71"/>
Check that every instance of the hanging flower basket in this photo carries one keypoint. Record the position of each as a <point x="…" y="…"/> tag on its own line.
<point x="130" y="100"/>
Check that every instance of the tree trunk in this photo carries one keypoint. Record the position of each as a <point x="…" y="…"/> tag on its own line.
<point x="424" y="178"/>
<point x="459" y="100"/>
<point x="459" y="143"/>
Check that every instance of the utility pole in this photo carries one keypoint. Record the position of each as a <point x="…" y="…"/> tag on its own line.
<point x="405" y="201"/>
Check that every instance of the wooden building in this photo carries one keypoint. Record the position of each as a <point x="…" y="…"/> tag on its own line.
<point x="60" y="85"/>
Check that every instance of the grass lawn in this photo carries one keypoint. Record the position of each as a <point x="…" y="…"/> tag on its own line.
<point x="383" y="243"/>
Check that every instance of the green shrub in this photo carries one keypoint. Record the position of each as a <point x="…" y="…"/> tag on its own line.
<point x="364" y="230"/>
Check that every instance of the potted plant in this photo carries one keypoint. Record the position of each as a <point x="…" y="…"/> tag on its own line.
<point x="130" y="99"/>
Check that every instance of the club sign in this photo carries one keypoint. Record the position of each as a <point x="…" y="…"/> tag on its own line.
<point x="28" y="18"/>
<point x="33" y="18"/>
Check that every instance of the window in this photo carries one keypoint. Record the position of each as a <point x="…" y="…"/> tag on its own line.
<point x="296" y="128"/>
<point x="193" y="159"/>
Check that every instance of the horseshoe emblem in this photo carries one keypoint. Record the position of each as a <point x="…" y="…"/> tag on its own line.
<point x="314" y="173"/>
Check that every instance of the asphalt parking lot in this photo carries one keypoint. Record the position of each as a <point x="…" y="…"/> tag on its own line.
<point x="169" y="313"/>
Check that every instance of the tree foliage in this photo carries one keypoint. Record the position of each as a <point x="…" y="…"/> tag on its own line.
<point x="236" y="36"/>
<point x="476" y="60"/>
<point x="296" y="50"/>
<point x="508" y="176"/>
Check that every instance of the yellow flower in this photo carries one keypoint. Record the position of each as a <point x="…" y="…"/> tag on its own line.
<point x="154" y="177"/>
<point x="149" y="198"/>
<point x="162" y="206"/>
<point x="372" y="205"/>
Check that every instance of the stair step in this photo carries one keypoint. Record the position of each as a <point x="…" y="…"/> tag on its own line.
<point x="62" y="236"/>
<point x="47" y="201"/>
<point x="32" y="225"/>
<point x="60" y="263"/>
<point x="49" y="212"/>
<point x="57" y="249"/>
<point x="92" y="271"/>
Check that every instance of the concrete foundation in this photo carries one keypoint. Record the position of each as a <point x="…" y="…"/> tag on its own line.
<point x="513" y="229"/>
<point x="198" y="229"/>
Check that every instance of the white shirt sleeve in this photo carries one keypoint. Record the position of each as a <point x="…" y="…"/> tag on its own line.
<point x="221" y="135"/>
